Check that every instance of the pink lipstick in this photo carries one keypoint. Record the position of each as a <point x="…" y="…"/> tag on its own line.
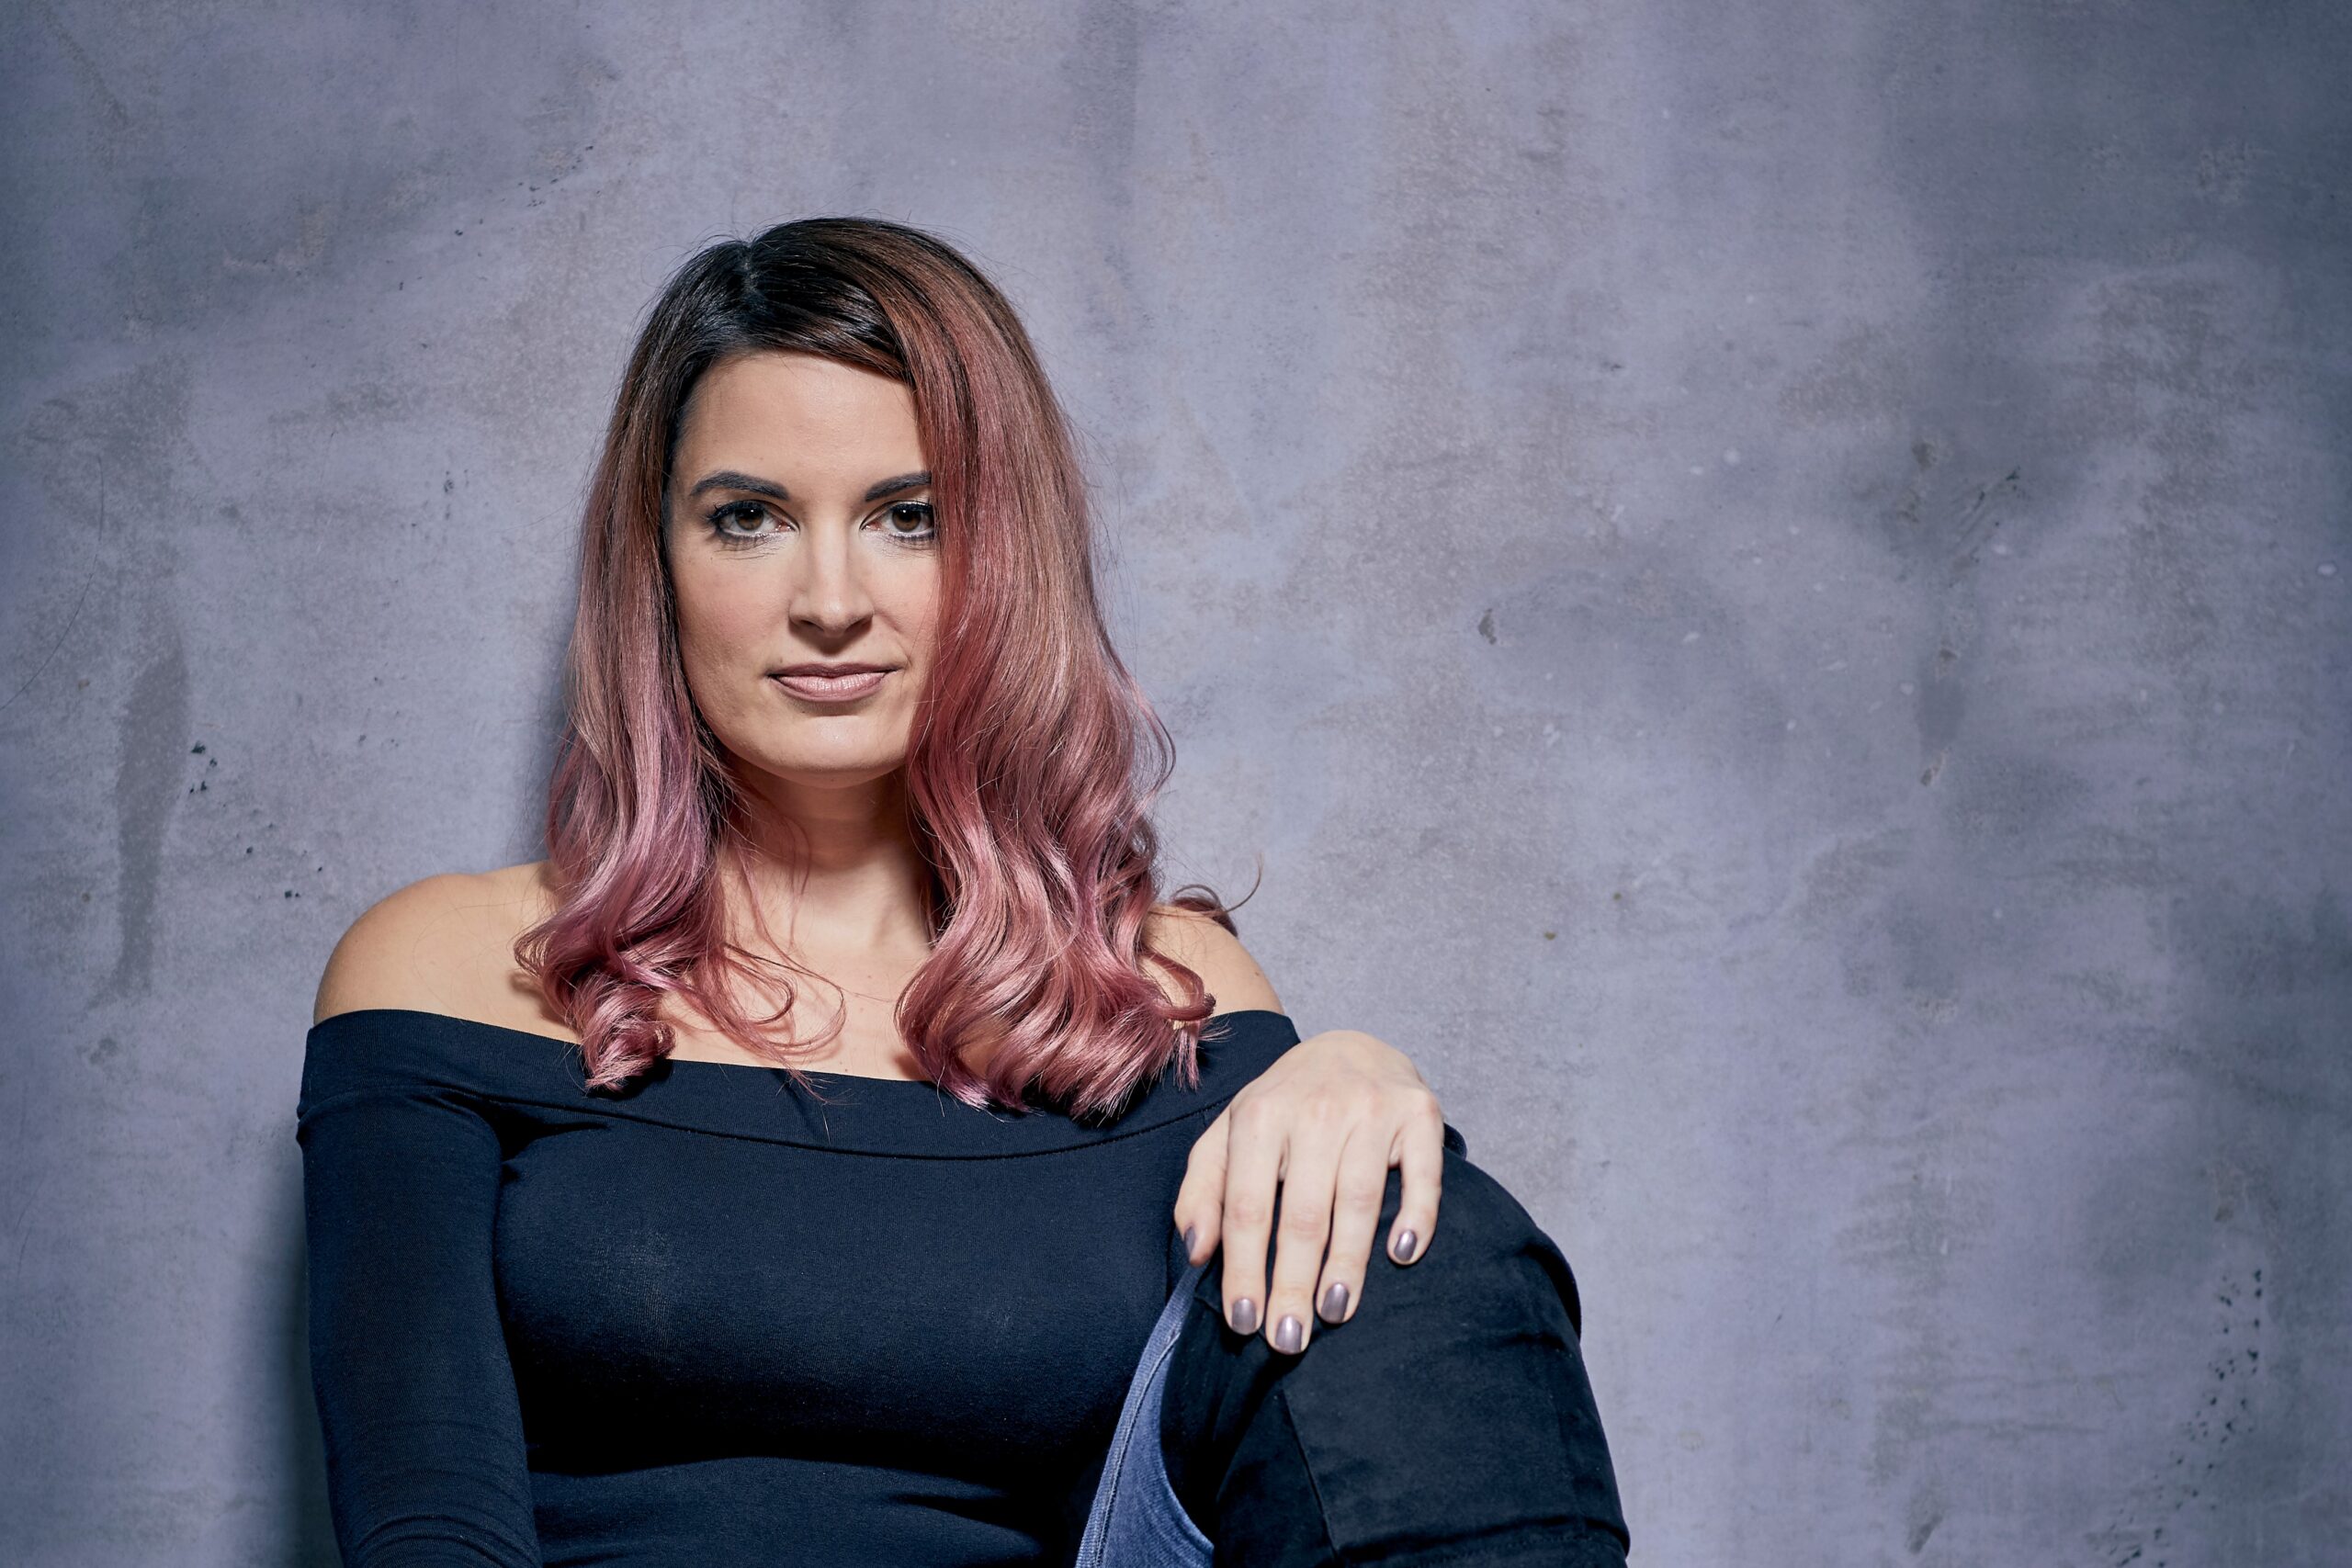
<point x="830" y="683"/>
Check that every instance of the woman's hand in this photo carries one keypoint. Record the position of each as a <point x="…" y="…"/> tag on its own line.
<point x="1327" y="1121"/>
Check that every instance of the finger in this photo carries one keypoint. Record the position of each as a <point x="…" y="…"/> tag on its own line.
<point x="1361" y="1188"/>
<point x="1254" y="1164"/>
<point x="1200" y="1201"/>
<point x="1419" y="1155"/>
<point x="1310" y="1175"/>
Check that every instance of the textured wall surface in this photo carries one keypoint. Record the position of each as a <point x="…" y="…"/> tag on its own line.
<point x="1774" y="583"/>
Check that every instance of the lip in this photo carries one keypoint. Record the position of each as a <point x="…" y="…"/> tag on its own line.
<point x="832" y="683"/>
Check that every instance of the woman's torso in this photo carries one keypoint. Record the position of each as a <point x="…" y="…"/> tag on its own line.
<point x="745" y="1324"/>
<point x="742" y="1324"/>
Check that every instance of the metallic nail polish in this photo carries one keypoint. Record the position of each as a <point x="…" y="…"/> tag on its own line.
<point x="1244" y="1316"/>
<point x="1335" y="1303"/>
<point x="1407" y="1244"/>
<point x="1290" y="1335"/>
<point x="1191" y="1235"/>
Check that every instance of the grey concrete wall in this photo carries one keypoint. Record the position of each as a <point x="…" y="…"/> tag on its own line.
<point x="1772" y="582"/>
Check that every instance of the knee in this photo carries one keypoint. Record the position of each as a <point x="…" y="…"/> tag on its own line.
<point x="1452" y="1403"/>
<point x="1486" y="1259"/>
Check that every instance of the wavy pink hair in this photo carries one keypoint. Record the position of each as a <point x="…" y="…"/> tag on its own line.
<point x="1023" y="785"/>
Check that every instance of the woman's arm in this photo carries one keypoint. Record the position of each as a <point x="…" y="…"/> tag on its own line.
<point x="1450" y="1421"/>
<point x="424" y="1444"/>
<point x="1325" y="1123"/>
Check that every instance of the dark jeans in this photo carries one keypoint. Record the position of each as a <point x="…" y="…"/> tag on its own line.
<point x="1449" y="1421"/>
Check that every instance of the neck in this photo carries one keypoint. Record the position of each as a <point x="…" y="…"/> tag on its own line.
<point x="835" y="870"/>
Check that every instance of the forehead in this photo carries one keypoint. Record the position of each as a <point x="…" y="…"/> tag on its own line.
<point x="798" y="409"/>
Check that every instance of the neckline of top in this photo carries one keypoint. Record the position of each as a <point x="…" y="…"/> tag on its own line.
<point x="446" y="1018"/>
<point x="371" y="1049"/>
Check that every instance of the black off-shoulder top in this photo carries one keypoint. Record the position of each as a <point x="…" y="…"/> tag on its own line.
<point x="712" y="1321"/>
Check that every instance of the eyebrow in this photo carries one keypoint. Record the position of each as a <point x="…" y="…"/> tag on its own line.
<point x="728" y="478"/>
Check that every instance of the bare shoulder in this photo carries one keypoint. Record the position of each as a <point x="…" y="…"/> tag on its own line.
<point x="1217" y="955"/>
<point x="444" y="944"/>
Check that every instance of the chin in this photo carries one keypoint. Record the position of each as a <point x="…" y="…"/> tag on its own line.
<point x="829" y="770"/>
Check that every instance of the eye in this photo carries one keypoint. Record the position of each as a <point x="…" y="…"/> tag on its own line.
<point x="921" y="525"/>
<point x="739" y="510"/>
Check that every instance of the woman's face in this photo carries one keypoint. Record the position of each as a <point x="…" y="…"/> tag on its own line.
<point x="800" y="535"/>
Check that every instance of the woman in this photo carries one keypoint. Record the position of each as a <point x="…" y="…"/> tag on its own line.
<point x="611" y="1263"/>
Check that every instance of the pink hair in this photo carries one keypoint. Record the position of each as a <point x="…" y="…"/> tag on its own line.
<point x="1022" y="782"/>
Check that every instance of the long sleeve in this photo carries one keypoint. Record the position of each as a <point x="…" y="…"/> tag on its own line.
<point x="1449" y="1422"/>
<point x="424" y="1447"/>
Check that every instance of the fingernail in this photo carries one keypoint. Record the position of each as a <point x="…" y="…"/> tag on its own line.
<point x="1191" y="1234"/>
<point x="1290" y="1335"/>
<point x="1335" y="1303"/>
<point x="1244" y="1316"/>
<point x="1406" y="1243"/>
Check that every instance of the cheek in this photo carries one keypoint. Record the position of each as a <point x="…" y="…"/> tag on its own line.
<point x="918" y="610"/>
<point x="723" y="621"/>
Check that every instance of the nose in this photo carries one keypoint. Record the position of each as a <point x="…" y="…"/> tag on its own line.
<point x="829" y="596"/>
